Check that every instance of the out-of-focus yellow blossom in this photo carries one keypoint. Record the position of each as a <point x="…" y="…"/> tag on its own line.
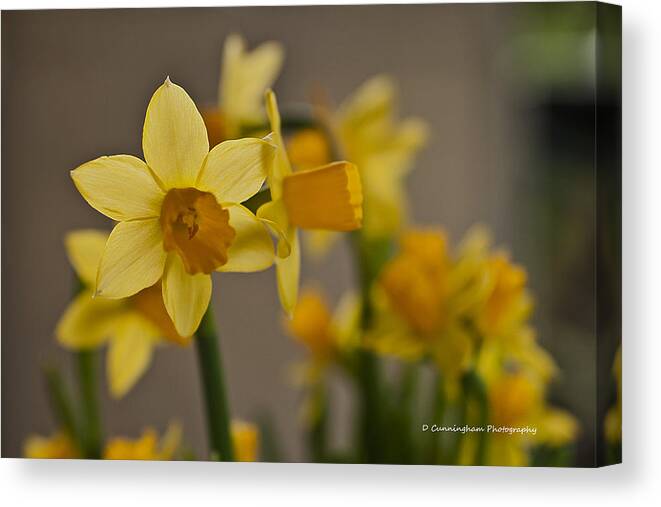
<point x="383" y="148"/>
<point x="57" y="446"/>
<point x="324" y="335"/>
<point x="245" y="439"/>
<point x="556" y="428"/>
<point x="307" y="149"/>
<point x="146" y="447"/>
<point x="415" y="314"/>
<point x="368" y="133"/>
<point x="516" y="398"/>
<point x="311" y="325"/>
<point x="132" y="326"/>
<point x="244" y="77"/>
<point x="613" y="421"/>
<point x="508" y="303"/>
<point x="179" y="213"/>
<point x="328" y="197"/>
<point x="327" y="337"/>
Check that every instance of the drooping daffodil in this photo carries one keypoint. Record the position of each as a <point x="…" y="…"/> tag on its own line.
<point x="132" y="326"/>
<point x="328" y="198"/>
<point x="244" y="76"/>
<point x="179" y="211"/>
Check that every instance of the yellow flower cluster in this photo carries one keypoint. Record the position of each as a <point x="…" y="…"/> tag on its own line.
<point x="148" y="446"/>
<point x="229" y="189"/>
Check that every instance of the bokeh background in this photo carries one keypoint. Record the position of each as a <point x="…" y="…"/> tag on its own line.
<point x="507" y="89"/>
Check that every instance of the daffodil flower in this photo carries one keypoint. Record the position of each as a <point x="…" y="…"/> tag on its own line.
<point x="244" y="77"/>
<point x="368" y="133"/>
<point x="245" y="440"/>
<point x="133" y="326"/>
<point x="328" y="197"/>
<point x="146" y="447"/>
<point x="57" y="446"/>
<point x="179" y="212"/>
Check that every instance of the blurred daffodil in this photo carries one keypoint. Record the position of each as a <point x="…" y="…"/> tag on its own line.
<point x="328" y="338"/>
<point x="415" y="313"/>
<point x="328" y="197"/>
<point x="146" y="447"/>
<point x="508" y="303"/>
<point x="308" y="148"/>
<point x="384" y="148"/>
<point x="324" y="334"/>
<point x="245" y="439"/>
<point x="179" y="214"/>
<point x="57" y="446"/>
<point x="132" y="326"/>
<point x="244" y="77"/>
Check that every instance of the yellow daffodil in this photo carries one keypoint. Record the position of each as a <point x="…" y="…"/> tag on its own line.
<point x="179" y="213"/>
<point x="244" y="77"/>
<point x="311" y="325"/>
<point x="245" y="439"/>
<point x="517" y="399"/>
<point x="57" y="446"/>
<point x="132" y="326"/>
<point x="146" y="447"/>
<point x="307" y="149"/>
<point x="556" y="428"/>
<point x="415" y="313"/>
<point x="508" y="303"/>
<point x="369" y="134"/>
<point x="328" y="337"/>
<point x="323" y="333"/>
<point x="328" y="197"/>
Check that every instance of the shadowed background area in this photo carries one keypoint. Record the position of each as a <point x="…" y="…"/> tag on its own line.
<point x="75" y="85"/>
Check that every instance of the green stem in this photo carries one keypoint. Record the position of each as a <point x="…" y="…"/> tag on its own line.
<point x="213" y="384"/>
<point x="404" y="412"/>
<point x="438" y="414"/>
<point x="91" y="421"/>
<point x="368" y="260"/>
<point x="319" y="428"/>
<point x="476" y="389"/>
<point x="61" y="403"/>
<point x="462" y="410"/>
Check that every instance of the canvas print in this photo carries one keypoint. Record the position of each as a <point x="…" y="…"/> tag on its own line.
<point x="327" y="234"/>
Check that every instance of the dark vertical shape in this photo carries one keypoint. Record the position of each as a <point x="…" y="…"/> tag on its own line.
<point x="608" y="169"/>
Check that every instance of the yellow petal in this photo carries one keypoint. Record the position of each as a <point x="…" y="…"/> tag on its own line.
<point x="274" y="215"/>
<point x="252" y="248"/>
<point x="245" y="76"/>
<point x="329" y="197"/>
<point x="129" y="353"/>
<point x="186" y="297"/>
<point x="234" y="171"/>
<point x="170" y="441"/>
<point x="133" y="259"/>
<point x="121" y="187"/>
<point x="281" y="166"/>
<point x="87" y="322"/>
<point x="245" y="440"/>
<point x="288" y="272"/>
<point x="84" y="249"/>
<point x="174" y="138"/>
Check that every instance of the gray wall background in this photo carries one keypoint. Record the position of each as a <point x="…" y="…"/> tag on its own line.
<point x="75" y="85"/>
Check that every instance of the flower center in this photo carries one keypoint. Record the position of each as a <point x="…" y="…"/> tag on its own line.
<point x="197" y="228"/>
